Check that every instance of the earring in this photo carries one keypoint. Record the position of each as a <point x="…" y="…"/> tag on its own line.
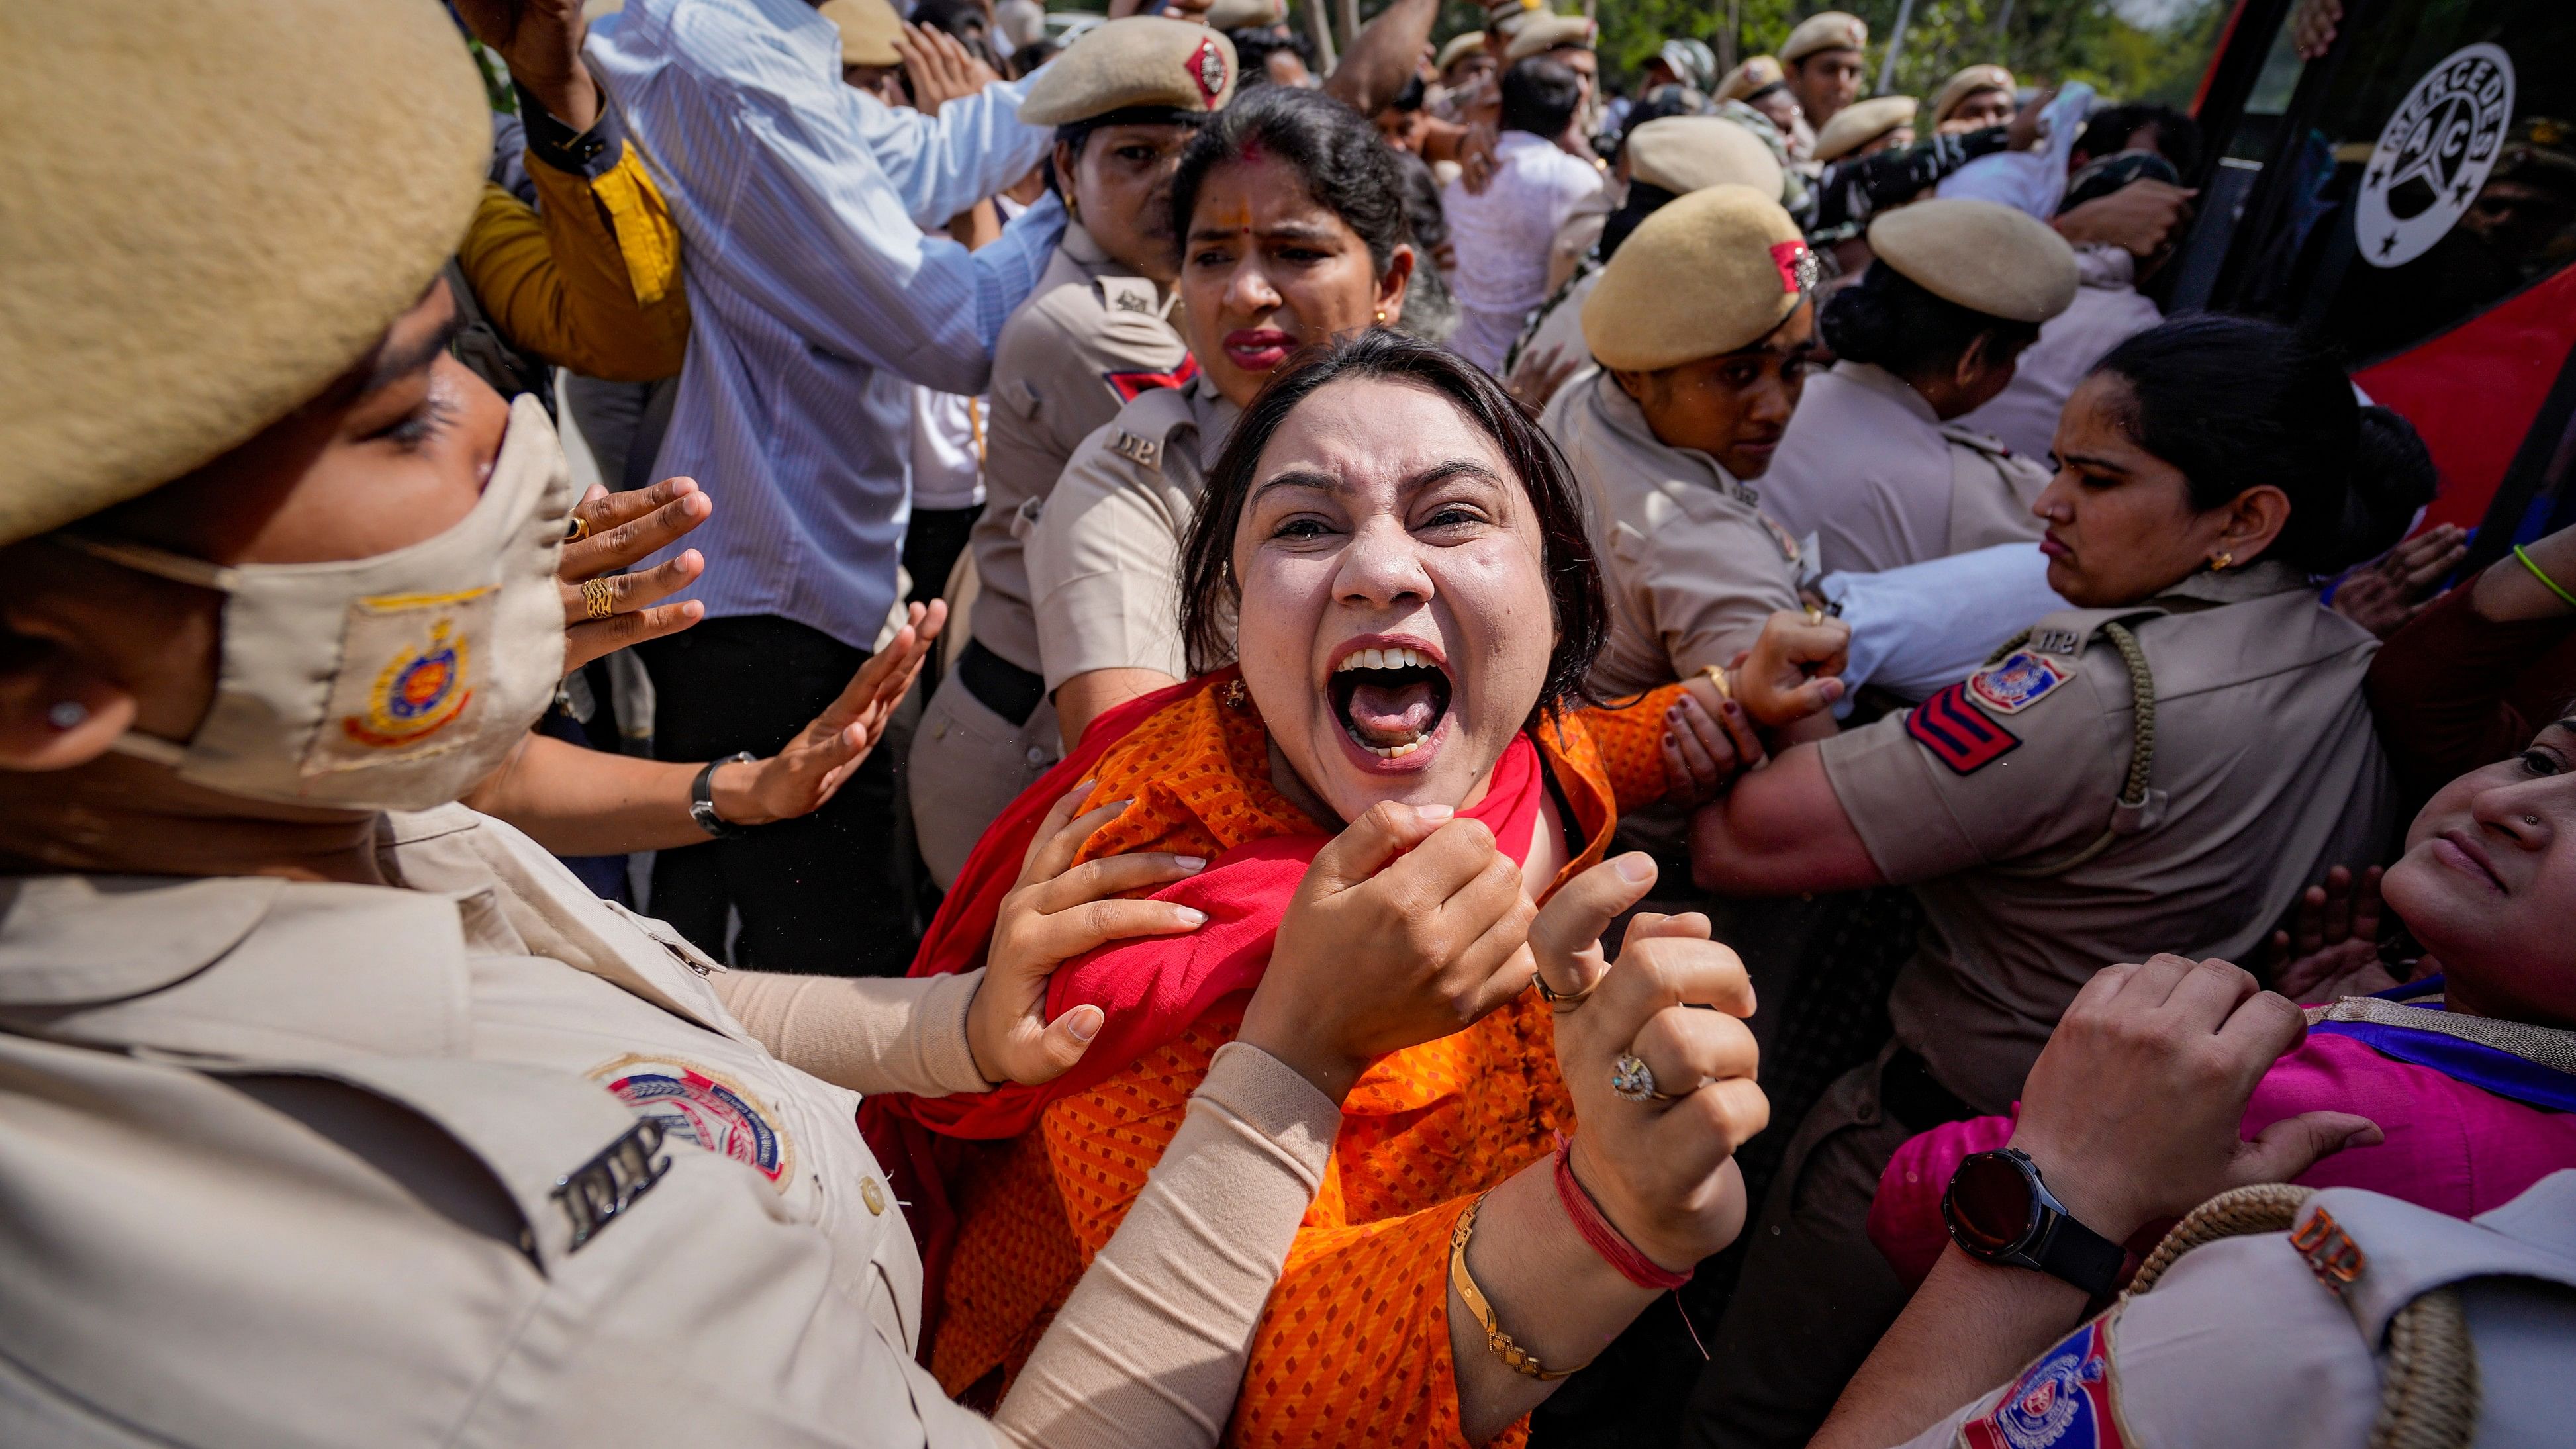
<point x="2219" y="562"/>
<point x="67" y="714"/>
<point x="1381" y="316"/>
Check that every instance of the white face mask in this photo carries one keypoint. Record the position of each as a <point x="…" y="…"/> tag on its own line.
<point x="389" y="683"/>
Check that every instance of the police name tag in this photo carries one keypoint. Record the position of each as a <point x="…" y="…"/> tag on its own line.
<point x="2020" y="681"/>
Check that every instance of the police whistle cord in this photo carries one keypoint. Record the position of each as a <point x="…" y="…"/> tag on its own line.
<point x="2428" y="1383"/>
<point x="2142" y="749"/>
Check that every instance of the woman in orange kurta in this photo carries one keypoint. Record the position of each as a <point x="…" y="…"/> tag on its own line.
<point x="1392" y="586"/>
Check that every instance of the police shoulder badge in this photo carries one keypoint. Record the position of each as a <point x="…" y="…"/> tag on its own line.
<point x="1964" y="739"/>
<point x="2071" y="1397"/>
<point x="703" y="1109"/>
<point x="1132" y="385"/>
<point x="2021" y="680"/>
<point x="1147" y="451"/>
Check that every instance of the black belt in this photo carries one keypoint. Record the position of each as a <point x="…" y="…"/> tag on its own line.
<point x="1005" y="688"/>
<point x="1908" y="1092"/>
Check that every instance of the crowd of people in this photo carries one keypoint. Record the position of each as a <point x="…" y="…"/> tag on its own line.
<point x="1241" y="745"/>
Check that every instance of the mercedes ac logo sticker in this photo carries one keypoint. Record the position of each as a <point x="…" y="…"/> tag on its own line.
<point x="2433" y="155"/>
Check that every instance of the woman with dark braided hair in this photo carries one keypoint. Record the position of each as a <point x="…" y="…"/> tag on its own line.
<point x="2165" y="766"/>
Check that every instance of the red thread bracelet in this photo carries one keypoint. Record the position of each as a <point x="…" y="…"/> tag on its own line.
<point x="1602" y="1234"/>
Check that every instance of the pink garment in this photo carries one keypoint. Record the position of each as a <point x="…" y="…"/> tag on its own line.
<point x="2452" y="1147"/>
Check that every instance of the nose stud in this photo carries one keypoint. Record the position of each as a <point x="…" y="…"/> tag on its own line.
<point x="2531" y="820"/>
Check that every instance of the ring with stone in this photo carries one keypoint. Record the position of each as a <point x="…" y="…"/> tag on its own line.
<point x="1634" y="1081"/>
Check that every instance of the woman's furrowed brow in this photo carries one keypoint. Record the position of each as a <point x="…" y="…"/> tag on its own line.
<point x="1325" y="482"/>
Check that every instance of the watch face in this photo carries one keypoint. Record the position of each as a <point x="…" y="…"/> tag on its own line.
<point x="1991" y="1203"/>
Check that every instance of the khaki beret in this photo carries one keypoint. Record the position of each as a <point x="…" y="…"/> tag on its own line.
<point x="1825" y="30"/>
<point x="1459" y="48"/>
<point x="1683" y="154"/>
<point x="1862" y="122"/>
<point x="1983" y="255"/>
<point x="1967" y="83"/>
<point x="186" y="269"/>
<point x="1542" y="33"/>
<point x="1141" y="60"/>
<point x="868" y="29"/>
<point x="1246" y="14"/>
<point x="1752" y="78"/>
<point x="1711" y="272"/>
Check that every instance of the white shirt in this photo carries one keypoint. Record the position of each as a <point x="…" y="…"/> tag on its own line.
<point x="2106" y="312"/>
<point x="1502" y="238"/>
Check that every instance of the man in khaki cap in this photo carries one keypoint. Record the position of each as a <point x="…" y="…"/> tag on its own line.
<point x="1702" y="325"/>
<point x="1761" y="84"/>
<point x="1824" y="63"/>
<point x="332" y="1112"/>
<point x="1094" y="336"/>
<point x="1881" y="123"/>
<point x="1875" y="464"/>
<point x="1977" y="97"/>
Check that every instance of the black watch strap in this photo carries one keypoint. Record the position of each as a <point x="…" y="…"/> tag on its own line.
<point x="702" y="798"/>
<point x="2069" y="1250"/>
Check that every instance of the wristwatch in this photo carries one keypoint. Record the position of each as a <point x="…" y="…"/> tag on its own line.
<point x="2000" y="1212"/>
<point x="702" y="798"/>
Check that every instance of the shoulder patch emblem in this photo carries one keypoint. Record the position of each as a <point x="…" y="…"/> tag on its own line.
<point x="2069" y="1398"/>
<point x="1961" y="737"/>
<point x="695" y="1106"/>
<point x="1147" y="451"/>
<point x="1132" y="385"/>
<point x="2056" y="641"/>
<point x="1130" y="302"/>
<point x="2020" y="681"/>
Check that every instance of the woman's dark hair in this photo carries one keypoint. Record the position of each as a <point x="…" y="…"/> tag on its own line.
<point x="1889" y="319"/>
<point x="1252" y="52"/>
<point x="2234" y="403"/>
<point x="1332" y="148"/>
<point x="1540" y="96"/>
<point x="1410" y="97"/>
<point x="1576" y="600"/>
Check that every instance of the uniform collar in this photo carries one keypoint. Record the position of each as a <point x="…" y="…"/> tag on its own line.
<point x="72" y="940"/>
<point x="2258" y="580"/>
<point x="1886" y="384"/>
<point x="1621" y="413"/>
<point x="1079" y="244"/>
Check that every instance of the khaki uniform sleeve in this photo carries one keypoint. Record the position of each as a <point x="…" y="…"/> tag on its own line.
<point x="1104" y="564"/>
<point x="1066" y="366"/>
<point x="1953" y="784"/>
<point x="1709" y="583"/>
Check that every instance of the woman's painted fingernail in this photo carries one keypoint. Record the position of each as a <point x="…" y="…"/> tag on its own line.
<point x="1668" y="738"/>
<point x="1191" y="862"/>
<point x="1192" y="916"/>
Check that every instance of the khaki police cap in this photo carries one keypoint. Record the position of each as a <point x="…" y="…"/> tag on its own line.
<point x="213" y="210"/>
<point x="1141" y="60"/>
<point x="1504" y="17"/>
<point x="1862" y="122"/>
<point x="1985" y="256"/>
<point x="1825" y="30"/>
<point x="1967" y="83"/>
<point x="1711" y="272"/>
<point x="1542" y="33"/>
<point x="868" y="29"/>
<point x="1458" y="49"/>
<point x="1683" y="154"/>
<point x="1246" y="14"/>
<point x="1752" y="78"/>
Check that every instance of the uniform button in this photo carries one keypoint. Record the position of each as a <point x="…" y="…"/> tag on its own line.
<point x="1037" y="755"/>
<point x="872" y="1195"/>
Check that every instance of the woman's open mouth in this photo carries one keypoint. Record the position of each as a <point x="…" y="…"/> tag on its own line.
<point x="1258" y="349"/>
<point x="1390" y="700"/>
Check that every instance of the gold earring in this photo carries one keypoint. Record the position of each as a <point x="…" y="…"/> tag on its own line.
<point x="1381" y="316"/>
<point x="2220" y="561"/>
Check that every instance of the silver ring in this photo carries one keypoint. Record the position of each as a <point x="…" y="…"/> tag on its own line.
<point x="1633" y="1080"/>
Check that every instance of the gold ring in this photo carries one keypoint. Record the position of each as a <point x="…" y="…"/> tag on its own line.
<point x="576" y="530"/>
<point x="598" y="599"/>
<point x="1815" y="615"/>
<point x="1717" y="676"/>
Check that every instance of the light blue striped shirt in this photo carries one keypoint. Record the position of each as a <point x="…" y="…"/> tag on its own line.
<point x="814" y="297"/>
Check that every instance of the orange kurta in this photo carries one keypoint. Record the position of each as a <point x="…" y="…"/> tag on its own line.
<point x="1354" y="1347"/>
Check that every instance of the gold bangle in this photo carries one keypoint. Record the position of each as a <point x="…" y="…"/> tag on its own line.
<point x="598" y="599"/>
<point x="1514" y="1357"/>
<point x="1717" y="677"/>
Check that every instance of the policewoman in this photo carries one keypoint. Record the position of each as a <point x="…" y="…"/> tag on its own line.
<point x="1874" y="464"/>
<point x="1094" y="336"/>
<point x="2166" y="765"/>
<point x="332" y="1112"/>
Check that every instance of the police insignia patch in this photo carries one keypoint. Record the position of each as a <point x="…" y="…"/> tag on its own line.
<point x="1958" y="736"/>
<point x="2056" y="641"/>
<point x="2070" y="1398"/>
<point x="1143" y="450"/>
<point x="2021" y="680"/>
<point x="704" y="1110"/>
<point x="1132" y="385"/>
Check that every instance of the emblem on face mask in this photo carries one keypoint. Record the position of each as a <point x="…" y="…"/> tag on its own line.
<point x="412" y="665"/>
<point x="702" y="1109"/>
<point x="420" y="693"/>
<point x="1207" y="71"/>
<point x="2433" y="156"/>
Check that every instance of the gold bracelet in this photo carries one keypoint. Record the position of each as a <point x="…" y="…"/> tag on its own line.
<point x="1514" y="1357"/>
<point x="1717" y="676"/>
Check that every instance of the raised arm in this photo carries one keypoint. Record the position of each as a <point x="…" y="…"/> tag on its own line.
<point x="1387" y="50"/>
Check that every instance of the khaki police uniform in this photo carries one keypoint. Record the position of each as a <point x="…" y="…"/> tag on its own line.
<point x="2006" y="802"/>
<point x="1882" y="482"/>
<point x="1093" y="337"/>
<point x="2306" y="1339"/>
<point x="2108" y="310"/>
<point x="1104" y="558"/>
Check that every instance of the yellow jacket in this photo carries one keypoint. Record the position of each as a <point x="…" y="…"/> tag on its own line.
<point x="590" y="282"/>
